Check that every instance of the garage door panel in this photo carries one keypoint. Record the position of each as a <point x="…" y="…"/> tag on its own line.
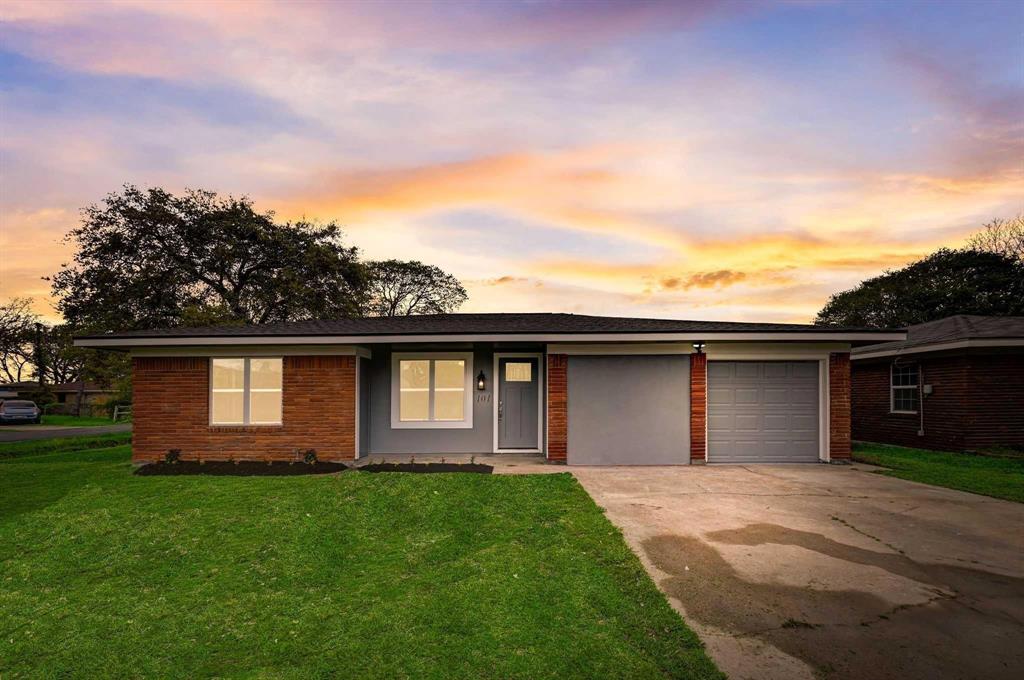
<point x="747" y="371"/>
<point x="747" y="423"/>
<point x="630" y="410"/>
<point x="721" y="396"/>
<point x="763" y="411"/>
<point x="720" y="371"/>
<point x="747" y="395"/>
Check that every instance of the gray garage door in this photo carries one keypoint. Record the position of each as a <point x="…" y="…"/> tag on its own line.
<point x="762" y="411"/>
<point x="629" y="410"/>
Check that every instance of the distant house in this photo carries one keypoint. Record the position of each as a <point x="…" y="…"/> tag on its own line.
<point x="582" y="390"/>
<point x="955" y="384"/>
<point x="66" y="394"/>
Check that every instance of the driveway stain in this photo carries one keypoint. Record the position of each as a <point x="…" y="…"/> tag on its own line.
<point x="970" y="624"/>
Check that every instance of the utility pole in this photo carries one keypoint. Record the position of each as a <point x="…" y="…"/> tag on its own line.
<point x="40" y="356"/>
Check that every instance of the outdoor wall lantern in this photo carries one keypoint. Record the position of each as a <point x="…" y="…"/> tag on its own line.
<point x="481" y="381"/>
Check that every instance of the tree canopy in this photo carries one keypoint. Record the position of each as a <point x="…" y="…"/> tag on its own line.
<point x="147" y="258"/>
<point x="400" y="288"/>
<point x="945" y="283"/>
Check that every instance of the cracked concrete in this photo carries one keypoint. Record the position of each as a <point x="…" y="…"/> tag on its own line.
<point x="828" y="572"/>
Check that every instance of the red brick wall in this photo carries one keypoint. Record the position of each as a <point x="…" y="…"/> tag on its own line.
<point x="698" y="407"/>
<point x="995" y="401"/>
<point x="839" y="405"/>
<point x="977" y="401"/>
<point x="558" y="407"/>
<point x="171" y="411"/>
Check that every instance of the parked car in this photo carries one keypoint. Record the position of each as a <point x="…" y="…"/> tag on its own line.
<point x="19" y="411"/>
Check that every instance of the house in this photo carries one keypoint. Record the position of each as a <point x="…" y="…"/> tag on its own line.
<point x="584" y="390"/>
<point x="66" y="394"/>
<point x="954" y="384"/>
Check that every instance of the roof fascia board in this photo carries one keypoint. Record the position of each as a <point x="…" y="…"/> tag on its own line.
<point x="766" y="336"/>
<point x="939" y="347"/>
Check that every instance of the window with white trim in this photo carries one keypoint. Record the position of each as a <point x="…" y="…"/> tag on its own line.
<point x="903" y="387"/>
<point x="246" y="391"/>
<point x="432" y="390"/>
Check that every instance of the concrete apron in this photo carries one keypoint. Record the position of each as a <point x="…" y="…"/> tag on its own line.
<point x="820" y="571"/>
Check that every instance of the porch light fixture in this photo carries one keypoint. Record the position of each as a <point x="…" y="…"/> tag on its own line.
<point x="698" y="347"/>
<point x="481" y="381"/>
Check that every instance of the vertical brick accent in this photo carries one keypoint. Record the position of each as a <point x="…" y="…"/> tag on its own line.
<point x="171" y="411"/>
<point x="839" y="405"/>
<point x="558" y="407"/>
<point x="698" y="407"/>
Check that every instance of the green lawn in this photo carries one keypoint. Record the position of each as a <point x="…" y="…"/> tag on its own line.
<point x="76" y="421"/>
<point x="997" y="477"/>
<point x="34" y="447"/>
<point x="104" y="574"/>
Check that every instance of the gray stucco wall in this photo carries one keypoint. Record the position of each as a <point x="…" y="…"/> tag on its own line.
<point x="384" y="439"/>
<point x="629" y="410"/>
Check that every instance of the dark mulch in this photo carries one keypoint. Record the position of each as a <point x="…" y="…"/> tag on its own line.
<point x="241" y="469"/>
<point x="428" y="467"/>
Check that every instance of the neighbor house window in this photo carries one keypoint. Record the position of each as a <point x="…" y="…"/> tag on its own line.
<point x="432" y="390"/>
<point x="903" y="387"/>
<point x="245" y="391"/>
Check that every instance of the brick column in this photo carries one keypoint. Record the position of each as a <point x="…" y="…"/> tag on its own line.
<point x="839" y="405"/>
<point x="558" y="407"/>
<point x="698" y="407"/>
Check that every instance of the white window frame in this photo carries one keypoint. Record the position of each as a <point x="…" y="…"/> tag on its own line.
<point x="396" y="419"/>
<point x="893" y="387"/>
<point x="246" y="393"/>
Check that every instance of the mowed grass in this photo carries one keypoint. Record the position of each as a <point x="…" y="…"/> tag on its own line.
<point x="105" y="574"/>
<point x="996" y="477"/>
<point x="76" y="421"/>
<point x="34" y="447"/>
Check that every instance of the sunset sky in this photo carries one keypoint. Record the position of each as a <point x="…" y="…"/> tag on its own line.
<point x="716" y="160"/>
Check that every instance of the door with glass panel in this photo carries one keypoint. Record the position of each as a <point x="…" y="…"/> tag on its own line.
<point x="518" y="393"/>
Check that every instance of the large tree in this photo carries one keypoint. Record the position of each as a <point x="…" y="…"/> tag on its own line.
<point x="148" y="258"/>
<point x="945" y="283"/>
<point x="400" y="288"/>
<point x="1005" y="237"/>
<point x="17" y="331"/>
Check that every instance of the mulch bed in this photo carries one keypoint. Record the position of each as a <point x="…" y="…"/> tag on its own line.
<point x="240" y="469"/>
<point x="477" y="468"/>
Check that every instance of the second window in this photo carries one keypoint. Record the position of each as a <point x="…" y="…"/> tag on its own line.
<point x="432" y="390"/>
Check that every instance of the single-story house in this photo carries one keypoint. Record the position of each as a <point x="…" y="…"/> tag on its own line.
<point x="583" y="390"/>
<point x="64" y="393"/>
<point x="954" y="384"/>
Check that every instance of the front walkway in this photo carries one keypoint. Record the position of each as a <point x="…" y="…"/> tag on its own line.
<point x="807" y="571"/>
<point x="503" y="463"/>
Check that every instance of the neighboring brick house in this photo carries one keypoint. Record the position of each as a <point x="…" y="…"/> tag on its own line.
<point x="583" y="390"/>
<point x="955" y="384"/>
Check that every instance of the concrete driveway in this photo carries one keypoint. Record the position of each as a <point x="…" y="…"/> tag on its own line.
<point x="828" y="571"/>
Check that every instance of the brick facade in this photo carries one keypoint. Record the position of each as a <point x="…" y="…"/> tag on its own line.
<point x="171" y="411"/>
<point x="698" y="407"/>
<point x="558" y="407"/>
<point x="839" y="405"/>
<point x="977" y="401"/>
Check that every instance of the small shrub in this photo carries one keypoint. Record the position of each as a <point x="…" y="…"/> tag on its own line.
<point x="172" y="456"/>
<point x="310" y="457"/>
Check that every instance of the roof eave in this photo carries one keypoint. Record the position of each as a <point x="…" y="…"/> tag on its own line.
<point x="823" y="335"/>
<point x="866" y="352"/>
